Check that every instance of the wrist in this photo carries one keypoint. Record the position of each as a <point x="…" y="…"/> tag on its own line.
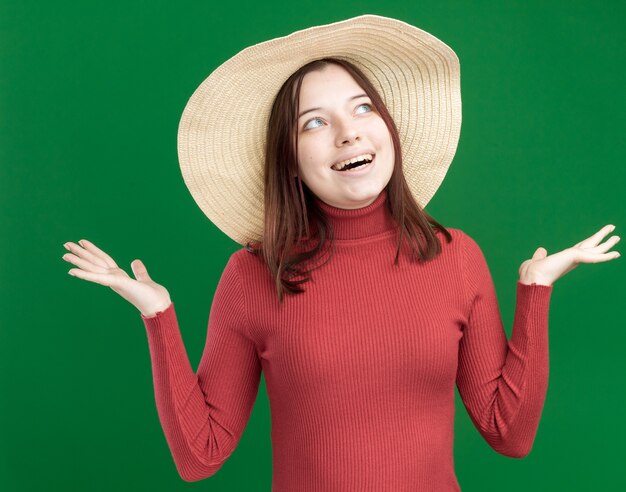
<point x="153" y="311"/>
<point x="533" y="279"/>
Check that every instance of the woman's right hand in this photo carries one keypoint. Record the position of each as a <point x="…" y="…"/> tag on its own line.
<point x="96" y="266"/>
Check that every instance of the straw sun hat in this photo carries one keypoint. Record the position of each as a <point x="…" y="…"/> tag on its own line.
<point x="221" y="135"/>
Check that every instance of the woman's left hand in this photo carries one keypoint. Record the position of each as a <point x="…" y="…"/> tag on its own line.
<point x="545" y="270"/>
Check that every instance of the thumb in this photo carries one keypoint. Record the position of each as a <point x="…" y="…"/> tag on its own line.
<point x="139" y="270"/>
<point x="540" y="253"/>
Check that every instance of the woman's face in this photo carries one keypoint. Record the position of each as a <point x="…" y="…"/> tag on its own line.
<point x="337" y="121"/>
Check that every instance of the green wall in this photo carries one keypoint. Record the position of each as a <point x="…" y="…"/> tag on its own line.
<point x="90" y="98"/>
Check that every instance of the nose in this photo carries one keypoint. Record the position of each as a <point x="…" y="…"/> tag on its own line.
<point x="346" y="132"/>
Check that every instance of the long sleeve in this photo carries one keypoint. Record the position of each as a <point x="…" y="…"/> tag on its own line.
<point x="503" y="383"/>
<point x="204" y="414"/>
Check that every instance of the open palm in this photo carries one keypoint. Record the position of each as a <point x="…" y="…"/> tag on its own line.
<point x="546" y="269"/>
<point x="96" y="266"/>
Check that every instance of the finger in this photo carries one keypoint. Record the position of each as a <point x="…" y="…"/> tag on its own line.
<point x="602" y="248"/>
<point x="589" y="257"/>
<point x="593" y="240"/>
<point x="606" y="245"/>
<point x="94" y="250"/>
<point x="140" y="271"/>
<point x="98" y="278"/>
<point x="83" y="253"/>
<point x="84" y="264"/>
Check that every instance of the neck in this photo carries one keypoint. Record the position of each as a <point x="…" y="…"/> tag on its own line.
<point x="359" y="223"/>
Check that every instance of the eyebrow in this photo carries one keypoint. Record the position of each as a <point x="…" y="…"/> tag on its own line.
<point x="317" y="109"/>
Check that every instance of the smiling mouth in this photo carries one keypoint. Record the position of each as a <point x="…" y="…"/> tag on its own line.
<point x="355" y="165"/>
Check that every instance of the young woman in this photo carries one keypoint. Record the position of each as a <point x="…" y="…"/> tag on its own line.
<point x="361" y="310"/>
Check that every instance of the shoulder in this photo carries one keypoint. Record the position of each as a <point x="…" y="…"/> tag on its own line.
<point x="458" y="240"/>
<point x="463" y="238"/>
<point x="456" y="233"/>
<point x="246" y="265"/>
<point x="462" y="243"/>
<point x="243" y="273"/>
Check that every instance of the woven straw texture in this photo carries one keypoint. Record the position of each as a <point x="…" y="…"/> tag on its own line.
<point x="221" y="135"/>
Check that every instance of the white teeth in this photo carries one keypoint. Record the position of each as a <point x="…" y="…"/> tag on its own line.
<point x="340" y="165"/>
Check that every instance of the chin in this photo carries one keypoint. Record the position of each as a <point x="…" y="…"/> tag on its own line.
<point x="360" y="201"/>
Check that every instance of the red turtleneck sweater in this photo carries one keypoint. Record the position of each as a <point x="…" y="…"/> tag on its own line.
<point x="360" y="369"/>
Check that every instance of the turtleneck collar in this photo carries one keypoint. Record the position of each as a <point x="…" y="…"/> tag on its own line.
<point x="360" y="223"/>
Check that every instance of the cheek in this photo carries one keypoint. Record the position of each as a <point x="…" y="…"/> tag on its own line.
<point x="303" y="161"/>
<point x="304" y="166"/>
<point x="383" y="131"/>
<point x="304" y="151"/>
<point x="306" y="158"/>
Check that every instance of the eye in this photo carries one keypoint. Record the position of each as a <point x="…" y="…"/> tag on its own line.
<point x="306" y="125"/>
<point x="365" y="104"/>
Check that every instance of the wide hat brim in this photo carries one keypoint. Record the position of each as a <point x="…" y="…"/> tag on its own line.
<point x="221" y="135"/>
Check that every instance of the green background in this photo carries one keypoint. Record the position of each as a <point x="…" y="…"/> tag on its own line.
<point x="91" y="95"/>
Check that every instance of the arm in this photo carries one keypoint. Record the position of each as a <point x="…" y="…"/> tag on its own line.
<point x="503" y="383"/>
<point x="203" y="414"/>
